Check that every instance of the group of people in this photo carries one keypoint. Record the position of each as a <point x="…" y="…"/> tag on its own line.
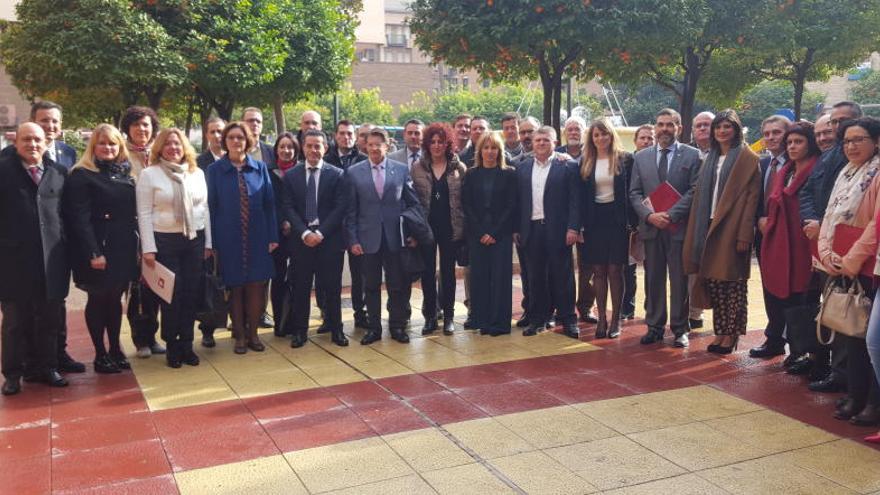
<point x="280" y="220"/>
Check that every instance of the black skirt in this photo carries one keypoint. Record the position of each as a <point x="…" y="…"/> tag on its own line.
<point x="606" y="239"/>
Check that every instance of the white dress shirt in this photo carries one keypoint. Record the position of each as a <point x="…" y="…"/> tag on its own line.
<point x="716" y="192"/>
<point x="604" y="182"/>
<point x="540" y="171"/>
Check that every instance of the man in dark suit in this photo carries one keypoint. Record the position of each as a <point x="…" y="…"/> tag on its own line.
<point x="663" y="232"/>
<point x="214" y="132"/>
<point x="34" y="272"/>
<point x="479" y="126"/>
<point x="379" y="191"/>
<point x="314" y="205"/>
<point x="547" y="228"/>
<point x="773" y="130"/>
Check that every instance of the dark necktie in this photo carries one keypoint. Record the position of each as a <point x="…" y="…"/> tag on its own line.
<point x="36" y="174"/>
<point x="663" y="167"/>
<point x="245" y="212"/>
<point x="413" y="158"/>
<point x="311" y="197"/>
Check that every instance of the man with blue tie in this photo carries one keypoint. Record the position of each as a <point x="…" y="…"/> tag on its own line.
<point x="379" y="191"/>
<point x="314" y="204"/>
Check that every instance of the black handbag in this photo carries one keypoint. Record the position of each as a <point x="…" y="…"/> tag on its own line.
<point x="213" y="304"/>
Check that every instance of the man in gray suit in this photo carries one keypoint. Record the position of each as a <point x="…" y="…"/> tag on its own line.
<point x="412" y="136"/>
<point x="380" y="190"/>
<point x="663" y="232"/>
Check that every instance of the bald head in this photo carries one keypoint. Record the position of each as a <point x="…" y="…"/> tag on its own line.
<point x="310" y="120"/>
<point x="701" y="125"/>
<point x="825" y="137"/>
<point x="30" y="143"/>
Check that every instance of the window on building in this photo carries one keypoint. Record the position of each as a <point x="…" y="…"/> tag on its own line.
<point x="367" y="55"/>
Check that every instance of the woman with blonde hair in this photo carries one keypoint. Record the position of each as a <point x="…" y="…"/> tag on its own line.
<point x="175" y="228"/>
<point x="489" y="202"/>
<point x="101" y="219"/>
<point x="607" y="218"/>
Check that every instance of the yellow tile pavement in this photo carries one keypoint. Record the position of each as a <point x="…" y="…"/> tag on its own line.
<point x="264" y="476"/>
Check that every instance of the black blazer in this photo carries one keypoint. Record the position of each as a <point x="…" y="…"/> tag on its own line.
<point x="493" y="215"/>
<point x="204" y="160"/>
<point x="33" y="253"/>
<point x="332" y="157"/>
<point x="101" y="218"/>
<point x="561" y="201"/>
<point x="623" y="210"/>
<point x="331" y="205"/>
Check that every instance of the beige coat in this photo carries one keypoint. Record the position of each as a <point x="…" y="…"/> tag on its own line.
<point x="423" y="183"/>
<point x="734" y="222"/>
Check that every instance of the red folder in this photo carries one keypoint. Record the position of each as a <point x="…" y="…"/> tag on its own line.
<point x="845" y="236"/>
<point x="662" y="199"/>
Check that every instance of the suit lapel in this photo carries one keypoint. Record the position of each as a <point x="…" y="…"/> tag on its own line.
<point x="654" y="167"/>
<point x="390" y="174"/>
<point x="527" y="193"/>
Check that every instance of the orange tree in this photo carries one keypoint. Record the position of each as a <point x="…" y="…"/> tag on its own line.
<point x="549" y="40"/>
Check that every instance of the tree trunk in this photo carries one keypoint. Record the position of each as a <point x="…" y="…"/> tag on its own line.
<point x="557" y="104"/>
<point x="154" y="96"/>
<point x="204" y="115"/>
<point x="278" y="110"/>
<point x="693" y="71"/>
<point x="190" y="110"/>
<point x="800" y="81"/>
<point x="547" y="85"/>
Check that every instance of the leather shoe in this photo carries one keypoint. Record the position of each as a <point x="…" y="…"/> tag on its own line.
<point x="869" y="416"/>
<point x="800" y="367"/>
<point x="614" y="331"/>
<point x="339" y="339"/>
<point x="571" y="330"/>
<point x="651" y="337"/>
<point x="361" y="321"/>
<point x="190" y="358"/>
<point x="266" y="321"/>
<point x="400" y="336"/>
<point x="495" y="332"/>
<point x="52" y="378"/>
<point x="818" y="372"/>
<point x="448" y="326"/>
<point x="550" y="323"/>
<point x="695" y="324"/>
<point x="589" y="318"/>
<point x="105" y="365"/>
<point x="67" y="364"/>
<point x="847" y="410"/>
<point x="370" y="337"/>
<point x="523" y="322"/>
<point x="766" y="350"/>
<point x="601" y="330"/>
<point x="681" y="341"/>
<point x="208" y="341"/>
<point x="828" y="385"/>
<point x="469" y="324"/>
<point x="790" y="360"/>
<point x="323" y="328"/>
<point x="627" y="316"/>
<point x="533" y="330"/>
<point x="430" y="326"/>
<point x="298" y="341"/>
<point x="11" y="386"/>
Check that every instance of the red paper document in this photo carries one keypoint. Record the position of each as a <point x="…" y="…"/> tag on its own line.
<point x="662" y="199"/>
<point x="844" y="238"/>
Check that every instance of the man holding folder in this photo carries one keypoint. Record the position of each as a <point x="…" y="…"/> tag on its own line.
<point x="663" y="180"/>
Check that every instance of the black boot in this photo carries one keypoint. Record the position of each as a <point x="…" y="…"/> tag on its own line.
<point x="172" y="355"/>
<point x="189" y="356"/>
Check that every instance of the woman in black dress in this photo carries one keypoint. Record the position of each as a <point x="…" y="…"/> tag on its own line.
<point x="489" y="202"/>
<point x="607" y="218"/>
<point x="101" y="219"/>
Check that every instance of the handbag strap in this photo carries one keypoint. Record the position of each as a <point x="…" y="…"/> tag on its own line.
<point x="829" y="286"/>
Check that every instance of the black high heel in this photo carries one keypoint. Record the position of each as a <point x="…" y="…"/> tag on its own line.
<point x="729" y="349"/>
<point x="106" y="366"/>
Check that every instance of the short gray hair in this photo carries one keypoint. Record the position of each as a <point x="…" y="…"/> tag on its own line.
<point x="530" y="120"/>
<point x="547" y="130"/>
<point x="574" y="119"/>
<point x="704" y="114"/>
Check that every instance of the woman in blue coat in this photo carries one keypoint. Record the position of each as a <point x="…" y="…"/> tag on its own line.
<point x="242" y="206"/>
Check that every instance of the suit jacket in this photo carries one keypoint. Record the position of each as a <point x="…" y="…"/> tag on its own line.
<point x="331" y="205"/>
<point x="267" y="153"/>
<point x="33" y="252"/>
<point x="682" y="174"/>
<point x="204" y="160"/>
<point x="64" y="154"/>
<point x="764" y="165"/>
<point x="401" y="155"/>
<point x="491" y="214"/>
<point x="561" y="201"/>
<point x="370" y="218"/>
<point x="814" y="196"/>
<point x="623" y="211"/>
<point x="354" y="156"/>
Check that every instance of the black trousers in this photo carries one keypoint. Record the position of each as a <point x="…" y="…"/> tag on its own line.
<point x="321" y="267"/>
<point x="445" y="297"/>
<point x="373" y="266"/>
<point x="630" y="286"/>
<point x="29" y="336"/>
<point x="279" y="287"/>
<point x="185" y="258"/>
<point x="861" y="382"/>
<point x="775" y="309"/>
<point x="355" y="271"/>
<point x="548" y="291"/>
<point x="491" y="284"/>
<point x="144" y="327"/>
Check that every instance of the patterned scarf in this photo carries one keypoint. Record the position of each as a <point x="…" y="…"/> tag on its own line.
<point x="849" y="189"/>
<point x="183" y="205"/>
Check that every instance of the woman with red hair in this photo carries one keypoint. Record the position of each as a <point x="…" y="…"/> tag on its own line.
<point x="437" y="178"/>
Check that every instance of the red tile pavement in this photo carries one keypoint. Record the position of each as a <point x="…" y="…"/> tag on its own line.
<point x="98" y="436"/>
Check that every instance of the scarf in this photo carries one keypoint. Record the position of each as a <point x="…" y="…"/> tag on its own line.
<point x="285" y="166"/>
<point x="706" y="186"/>
<point x="120" y="170"/>
<point x="139" y="156"/>
<point x="183" y="205"/>
<point x="847" y="194"/>
<point x="785" y="250"/>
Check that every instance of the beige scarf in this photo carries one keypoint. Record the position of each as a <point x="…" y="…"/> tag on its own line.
<point x="183" y="205"/>
<point x="849" y="189"/>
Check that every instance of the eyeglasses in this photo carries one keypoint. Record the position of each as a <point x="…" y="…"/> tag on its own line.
<point x="235" y="137"/>
<point x="856" y="140"/>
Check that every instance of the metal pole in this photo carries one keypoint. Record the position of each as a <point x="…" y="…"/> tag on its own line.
<point x="335" y="109"/>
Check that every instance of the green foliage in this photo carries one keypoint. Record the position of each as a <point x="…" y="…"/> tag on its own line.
<point x="358" y="106"/>
<point x="75" y="141"/>
<point x="641" y="102"/>
<point x="68" y="46"/>
<point x="490" y="102"/>
<point x="766" y="98"/>
<point x="867" y="90"/>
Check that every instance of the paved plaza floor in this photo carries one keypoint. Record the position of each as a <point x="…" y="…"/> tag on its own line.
<point x="454" y="414"/>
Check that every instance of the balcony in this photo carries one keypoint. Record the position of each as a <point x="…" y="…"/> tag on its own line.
<point x="394" y="39"/>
